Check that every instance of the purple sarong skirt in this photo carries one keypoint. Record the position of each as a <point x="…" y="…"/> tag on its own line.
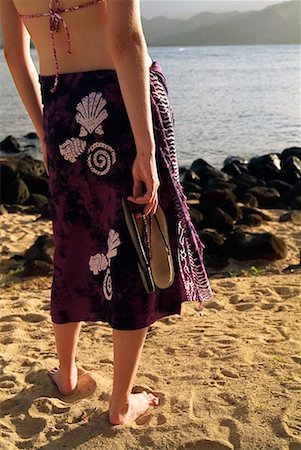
<point x="91" y="150"/>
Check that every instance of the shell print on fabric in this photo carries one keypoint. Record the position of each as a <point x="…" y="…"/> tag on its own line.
<point x="100" y="158"/>
<point x="72" y="148"/>
<point x="91" y="114"/>
<point x="101" y="262"/>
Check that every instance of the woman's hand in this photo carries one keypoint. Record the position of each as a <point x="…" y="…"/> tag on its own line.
<point x="44" y="152"/>
<point x="145" y="175"/>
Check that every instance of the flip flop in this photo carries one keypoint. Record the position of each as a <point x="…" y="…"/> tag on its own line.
<point x="161" y="256"/>
<point x="130" y="210"/>
<point x="55" y="370"/>
<point x="155" y="264"/>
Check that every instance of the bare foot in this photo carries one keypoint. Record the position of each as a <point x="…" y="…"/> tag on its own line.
<point x="65" y="385"/>
<point x="138" y="404"/>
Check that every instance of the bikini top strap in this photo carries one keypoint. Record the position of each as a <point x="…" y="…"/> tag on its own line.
<point x="55" y="18"/>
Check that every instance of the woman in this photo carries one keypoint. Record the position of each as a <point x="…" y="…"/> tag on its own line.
<point x="105" y="127"/>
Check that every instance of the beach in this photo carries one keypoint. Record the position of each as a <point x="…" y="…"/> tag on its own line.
<point x="228" y="377"/>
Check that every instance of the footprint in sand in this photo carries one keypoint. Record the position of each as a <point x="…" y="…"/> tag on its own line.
<point x="234" y="428"/>
<point x="27" y="426"/>
<point x="49" y="406"/>
<point x="7" y="381"/>
<point x="207" y="444"/>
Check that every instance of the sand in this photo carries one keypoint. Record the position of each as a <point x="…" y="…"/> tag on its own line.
<point x="228" y="378"/>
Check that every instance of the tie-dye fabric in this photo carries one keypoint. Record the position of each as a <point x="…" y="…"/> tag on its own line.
<point x="91" y="150"/>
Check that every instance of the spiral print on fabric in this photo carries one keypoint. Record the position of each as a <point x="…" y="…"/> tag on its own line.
<point x="101" y="157"/>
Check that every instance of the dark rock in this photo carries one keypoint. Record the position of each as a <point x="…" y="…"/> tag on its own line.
<point x="266" y="166"/>
<point x="196" y="217"/>
<point x="292" y="151"/>
<point x="217" y="183"/>
<point x="292" y="163"/>
<point x="290" y="176"/>
<point x="190" y="177"/>
<point x="297" y="188"/>
<point x="219" y="220"/>
<point x="205" y="171"/>
<point x="45" y="214"/>
<point x="15" y="208"/>
<point x="16" y="192"/>
<point x="236" y="159"/>
<point x="37" y="185"/>
<point x="243" y="246"/>
<point x="267" y="197"/>
<point x="211" y="239"/>
<point x="246" y="181"/>
<point x="190" y="187"/>
<point x="41" y="250"/>
<point x="248" y="199"/>
<point x="216" y="261"/>
<point x="223" y="199"/>
<point x="252" y="220"/>
<point x="232" y="169"/>
<point x="31" y="135"/>
<point x="193" y="196"/>
<point x="246" y="211"/>
<point x="296" y="203"/>
<point x="291" y="216"/>
<point x="281" y="186"/>
<point x="36" y="268"/>
<point x="40" y="201"/>
<point x="10" y="145"/>
<point x="8" y="173"/>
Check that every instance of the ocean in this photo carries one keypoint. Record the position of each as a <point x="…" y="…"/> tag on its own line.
<point x="227" y="100"/>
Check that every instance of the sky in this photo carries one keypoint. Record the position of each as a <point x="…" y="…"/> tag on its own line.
<point x="187" y="8"/>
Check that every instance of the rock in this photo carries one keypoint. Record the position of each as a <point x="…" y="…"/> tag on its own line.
<point x="211" y="239"/>
<point x="267" y="197"/>
<point x="30" y="166"/>
<point x="292" y="151"/>
<point x="291" y="216"/>
<point x="217" y="183"/>
<point x="190" y="177"/>
<point x="249" y="199"/>
<point x="297" y="188"/>
<point x="246" y="181"/>
<point x="3" y="210"/>
<point x="41" y="250"/>
<point x="31" y="135"/>
<point x="37" y="185"/>
<point x="36" y="268"/>
<point x="237" y="159"/>
<point x="190" y="187"/>
<point x="290" y="176"/>
<point x="205" y="171"/>
<point x="232" y="169"/>
<point x="16" y="192"/>
<point x="296" y="203"/>
<point x="221" y="198"/>
<point x="8" y="173"/>
<point x="219" y="220"/>
<point x="40" y="201"/>
<point x="292" y="163"/>
<point x="281" y="186"/>
<point x="266" y="166"/>
<point x="247" y="210"/>
<point x="243" y="246"/>
<point x="10" y="145"/>
<point x="216" y="261"/>
<point x="252" y="220"/>
<point x="196" y="217"/>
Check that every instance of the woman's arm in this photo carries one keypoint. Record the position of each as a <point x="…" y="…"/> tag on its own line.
<point x="16" y="44"/>
<point x="130" y="56"/>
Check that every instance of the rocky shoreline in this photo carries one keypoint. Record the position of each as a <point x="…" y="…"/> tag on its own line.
<point x="227" y="206"/>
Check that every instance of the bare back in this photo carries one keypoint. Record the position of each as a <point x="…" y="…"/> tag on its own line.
<point x="88" y="29"/>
